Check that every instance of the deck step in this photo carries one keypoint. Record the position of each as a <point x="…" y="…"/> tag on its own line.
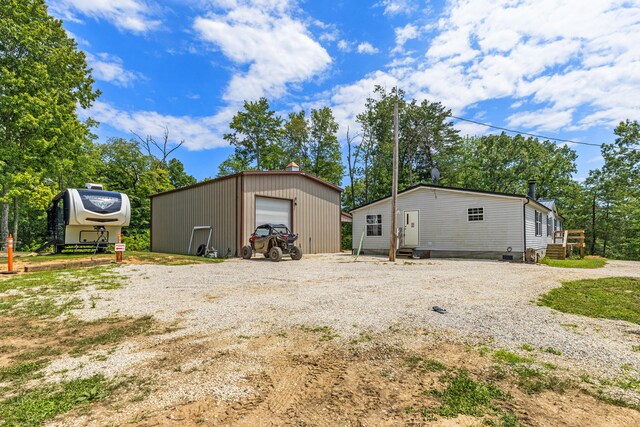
<point x="405" y="252"/>
<point x="556" y="251"/>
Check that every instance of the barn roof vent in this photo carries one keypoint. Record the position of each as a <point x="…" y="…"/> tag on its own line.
<point x="292" y="167"/>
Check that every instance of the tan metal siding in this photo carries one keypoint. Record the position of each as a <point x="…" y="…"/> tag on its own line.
<point x="174" y="214"/>
<point x="315" y="211"/>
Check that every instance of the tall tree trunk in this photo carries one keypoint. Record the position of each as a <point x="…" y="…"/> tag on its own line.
<point x="606" y="231"/>
<point x="16" y="219"/>
<point x="410" y="173"/>
<point x="593" y="225"/>
<point x="4" y="222"/>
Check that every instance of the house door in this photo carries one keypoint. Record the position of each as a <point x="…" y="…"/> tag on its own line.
<point x="411" y="228"/>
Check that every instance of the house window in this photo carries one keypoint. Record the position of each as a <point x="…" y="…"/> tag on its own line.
<point x="374" y="225"/>
<point x="549" y="226"/>
<point x="538" y="223"/>
<point x="475" y="214"/>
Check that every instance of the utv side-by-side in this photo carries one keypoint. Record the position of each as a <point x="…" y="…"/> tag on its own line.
<point x="272" y="240"/>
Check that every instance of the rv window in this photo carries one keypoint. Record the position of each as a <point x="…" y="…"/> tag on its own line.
<point x="475" y="214"/>
<point x="99" y="201"/>
<point x="374" y="225"/>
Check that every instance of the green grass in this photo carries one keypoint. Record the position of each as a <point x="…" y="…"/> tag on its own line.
<point x="587" y="262"/>
<point x="35" y="406"/>
<point x="527" y="347"/>
<point x="532" y="380"/>
<point x="111" y="335"/>
<point x="504" y="356"/>
<point x="610" y="298"/>
<point x="552" y="350"/>
<point x="465" y="396"/>
<point x="137" y="256"/>
<point x="326" y="332"/>
<point x="424" y="365"/>
<point x="20" y="372"/>
<point x="41" y="294"/>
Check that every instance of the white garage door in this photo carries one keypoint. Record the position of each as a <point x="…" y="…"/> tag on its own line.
<point x="273" y="211"/>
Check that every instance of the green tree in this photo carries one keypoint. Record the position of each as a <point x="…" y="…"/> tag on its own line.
<point x="43" y="78"/>
<point x="256" y="135"/>
<point x="295" y="139"/>
<point x="614" y="196"/>
<point x="324" y="156"/>
<point x="426" y="134"/>
<point x="177" y="176"/>
<point x="125" y="168"/>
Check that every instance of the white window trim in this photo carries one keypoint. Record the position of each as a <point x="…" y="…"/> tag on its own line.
<point x="535" y="223"/>
<point x="476" y="207"/>
<point x="366" y="224"/>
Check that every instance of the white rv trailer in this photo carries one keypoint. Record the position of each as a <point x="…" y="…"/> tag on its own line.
<point x="87" y="217"/>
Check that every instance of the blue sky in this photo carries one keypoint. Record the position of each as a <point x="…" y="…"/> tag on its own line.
<point x="567" y="69"/>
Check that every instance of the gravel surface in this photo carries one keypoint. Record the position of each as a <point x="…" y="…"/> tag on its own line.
<point x="486" y="301"/>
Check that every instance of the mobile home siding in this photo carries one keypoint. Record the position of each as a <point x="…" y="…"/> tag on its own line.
<point x="533" y="241"/>
<point x="444" y="224"/>
<point x="174" y="215"/>
<point x="315" y="209"/>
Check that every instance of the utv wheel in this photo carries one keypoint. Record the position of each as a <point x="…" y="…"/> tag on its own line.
<point x="296" y="253"/>
<point x="275" y="254"/>
<point x="247" y="252"/>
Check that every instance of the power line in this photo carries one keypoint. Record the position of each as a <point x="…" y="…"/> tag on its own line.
<point x="528" y="134"/>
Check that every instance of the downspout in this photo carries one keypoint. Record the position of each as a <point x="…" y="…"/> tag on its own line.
<point x="524" y="230"/>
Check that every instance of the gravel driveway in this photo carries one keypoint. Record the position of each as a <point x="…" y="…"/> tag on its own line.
<point x="486" y="301"/>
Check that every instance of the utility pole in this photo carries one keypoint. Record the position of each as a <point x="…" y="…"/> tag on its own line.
<point x="394" y="191"/>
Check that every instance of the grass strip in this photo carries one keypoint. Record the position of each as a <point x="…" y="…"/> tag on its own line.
<point x="587" y="262"/>
<point x="609" y="298"/>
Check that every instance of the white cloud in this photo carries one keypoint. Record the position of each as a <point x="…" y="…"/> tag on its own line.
<point x="396" y="7"/>
<point x="545" y="119"/>
<point x="596" y="159"/>
<point x="79" y="40"/>
<point x="344" y="46"/>
<point x="406" y="33"/>
<point x="367" y="48"/>
<point x="109" y="68"/>
<point x="561" y="64"/>
<point x="277" y="48"/>
<point x="197" y="132"/>
<point x="130" y="15"/>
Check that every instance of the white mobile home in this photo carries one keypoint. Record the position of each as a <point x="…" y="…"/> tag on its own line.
<point x="447" y="222"/>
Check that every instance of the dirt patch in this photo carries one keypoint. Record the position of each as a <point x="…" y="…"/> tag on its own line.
<point x="294" y="378"/>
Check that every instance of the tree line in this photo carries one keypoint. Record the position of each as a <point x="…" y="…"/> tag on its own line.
<point x="264" y="141"/>
<point x="45" y="147"/>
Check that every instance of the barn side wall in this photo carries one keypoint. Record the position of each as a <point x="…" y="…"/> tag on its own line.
<point x="174" y="214"/>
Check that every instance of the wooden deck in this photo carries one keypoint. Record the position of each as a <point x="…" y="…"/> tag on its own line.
<point x="564" y="241"/>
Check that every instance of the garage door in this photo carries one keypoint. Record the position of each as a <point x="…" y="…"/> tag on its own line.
<point x="273" y="211"/>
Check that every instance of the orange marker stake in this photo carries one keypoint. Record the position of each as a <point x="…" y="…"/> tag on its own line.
<point x="119" y="254"/>
<point x="10" y="256"/>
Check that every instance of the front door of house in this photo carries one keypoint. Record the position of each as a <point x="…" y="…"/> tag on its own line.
<point x="411" y="228"/>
